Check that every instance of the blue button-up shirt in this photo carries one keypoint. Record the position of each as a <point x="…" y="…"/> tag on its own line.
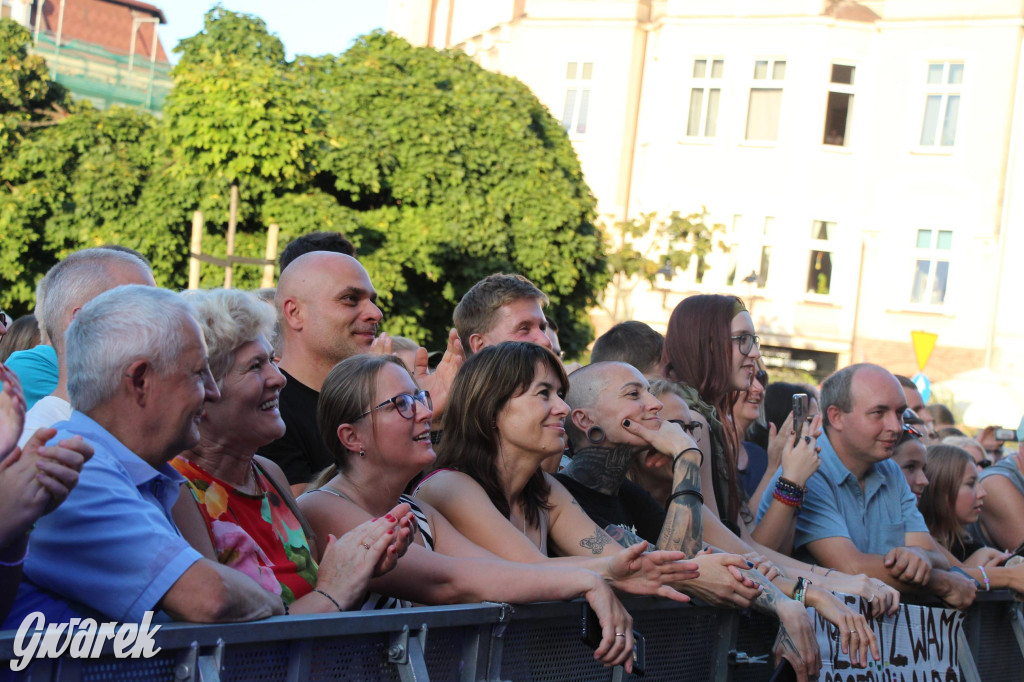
<point x="876" y="518"/>
<point x="112" y="546"/>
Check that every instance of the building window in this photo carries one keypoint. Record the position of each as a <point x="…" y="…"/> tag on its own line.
<point x="931" y="268"/>
<point x="577" y="96"/>
<point x="704" y="97"/>
<point x="766" y="252"/>
<point x="942" y="104"/>
<point x="840" y="105"/>
<point x="765" y="100"/>
<point x="819" y="271"/>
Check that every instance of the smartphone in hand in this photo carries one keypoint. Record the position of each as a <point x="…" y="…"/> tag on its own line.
<point x="801" y="406"/>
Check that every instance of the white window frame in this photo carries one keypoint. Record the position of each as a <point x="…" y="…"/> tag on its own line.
<point x="844" y="89"/>
<point x="943" y="90"/>
<point x="830" y="246"/>
<point x="933" y="255"/>
<point x="577" y="97"/>
<point x="705" y="85"/>
<point x="770" y="83"/>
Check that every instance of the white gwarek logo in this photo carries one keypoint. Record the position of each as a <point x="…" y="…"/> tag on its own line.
<point x="81" y="638"/>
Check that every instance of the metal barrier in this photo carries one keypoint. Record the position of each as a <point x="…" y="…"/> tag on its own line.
<point x="489" y="642"/>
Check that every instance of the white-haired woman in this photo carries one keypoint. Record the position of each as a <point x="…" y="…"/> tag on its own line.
<point x="240" y="510"/>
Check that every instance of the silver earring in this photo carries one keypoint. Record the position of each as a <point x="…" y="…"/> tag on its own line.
<point x="362" y="453"/>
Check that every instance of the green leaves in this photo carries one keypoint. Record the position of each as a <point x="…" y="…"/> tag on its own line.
<point x="440" y="171"/>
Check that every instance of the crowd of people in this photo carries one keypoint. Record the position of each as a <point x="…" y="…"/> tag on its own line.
<point x="223" y="455"/>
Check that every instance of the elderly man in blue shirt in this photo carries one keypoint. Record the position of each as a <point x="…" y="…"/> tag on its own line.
<point x="858" y="512"/>
<point x="138" y="378"/>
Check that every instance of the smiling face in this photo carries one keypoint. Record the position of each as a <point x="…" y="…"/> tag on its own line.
<point x="743" y="366"/>
<point x="747" y="408"/>
<point x="869" y="431"/>
<point x="626" y="395"/>
<point x="389" y="439"/>
<point x="519" y="320"/>
<point x="247" y="412"/>
<point x="330" y="299"/>
<point x="179" y="395"/>
<point x="911" y="457"/>
<point x="969" y="497"/>
<point x="532" y="423"/>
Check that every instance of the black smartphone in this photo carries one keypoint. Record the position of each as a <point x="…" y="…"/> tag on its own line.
<point x="784" y="673"/>
<point x="592" y="638"/>
<point x="801" y="405"/>
<point x="591" y="627"/>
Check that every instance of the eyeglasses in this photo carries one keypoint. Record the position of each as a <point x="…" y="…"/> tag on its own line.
<point x="747" y="342"/>
<point x="692" y="428"/>
<point x="405" y="404"/>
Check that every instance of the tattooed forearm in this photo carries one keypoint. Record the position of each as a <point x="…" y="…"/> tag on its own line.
<point x="600" y="468"/>
<point x="683" y="529"/>
<point x="596" y="542"/>
<point x="623" y="536"/>
<point x="770" y="598"/>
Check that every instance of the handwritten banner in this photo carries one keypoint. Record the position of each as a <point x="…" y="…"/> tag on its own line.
<point x="917" y="643"/>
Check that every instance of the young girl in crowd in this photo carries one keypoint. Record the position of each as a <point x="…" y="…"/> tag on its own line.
<point x="951" y="504"/>
<point x="909" y="453"/>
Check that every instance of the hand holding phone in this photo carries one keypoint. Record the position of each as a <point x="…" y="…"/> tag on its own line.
<point x="801" y="406"/>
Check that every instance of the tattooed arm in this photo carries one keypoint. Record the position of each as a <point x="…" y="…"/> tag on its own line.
<point x="682" y="529"/>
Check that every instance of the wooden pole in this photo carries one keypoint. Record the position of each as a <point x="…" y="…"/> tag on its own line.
<point x="271" y="254"/>
<point x="232" y="220"/>
<point x="195" y="248"/>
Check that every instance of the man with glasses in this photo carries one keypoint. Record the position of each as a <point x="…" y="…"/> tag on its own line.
<point x="859" y="514"/>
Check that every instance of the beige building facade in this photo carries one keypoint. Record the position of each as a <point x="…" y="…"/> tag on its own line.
<point x="862" y="158"/>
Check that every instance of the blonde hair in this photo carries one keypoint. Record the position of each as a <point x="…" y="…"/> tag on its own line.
<point x="229" y="319"/>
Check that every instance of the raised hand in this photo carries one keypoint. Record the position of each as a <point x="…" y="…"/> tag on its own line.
<point x="800" y="455"/>
<point x="12" y="411"/>
<point x="439" y="382"/>
<point x="668" y="439"/>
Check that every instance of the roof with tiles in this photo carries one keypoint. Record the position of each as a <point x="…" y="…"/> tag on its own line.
<point x="107" y="23"/>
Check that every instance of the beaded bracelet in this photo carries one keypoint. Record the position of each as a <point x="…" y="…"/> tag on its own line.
<point x="789" y="486"/>
<point x="787" y="499"/>
<point x="988" y="585"/>
<point x="333" y="600"/>
<point x="675" y="459"/>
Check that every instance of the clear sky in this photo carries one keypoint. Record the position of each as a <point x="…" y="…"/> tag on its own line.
<point x="305" y="26"/>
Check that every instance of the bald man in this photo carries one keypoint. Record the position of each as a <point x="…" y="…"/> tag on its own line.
<point x="327" y="311"/>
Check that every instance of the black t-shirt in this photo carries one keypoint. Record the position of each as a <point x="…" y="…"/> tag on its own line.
<point x="633" y="508"/>
<point x="300" y="452"/>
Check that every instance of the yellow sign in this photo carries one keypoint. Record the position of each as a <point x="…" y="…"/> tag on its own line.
<point x="924" y="344"/>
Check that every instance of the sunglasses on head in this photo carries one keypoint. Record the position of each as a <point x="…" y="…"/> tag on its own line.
<point x="983" y="464"/>
<point x="405" y="404"/>
<point x="762" y="378"/>
<point x="3" y="318"/>
<point x="692" y="428"/>
<point x="909" y="431"/>
<point x="746" y="342"/>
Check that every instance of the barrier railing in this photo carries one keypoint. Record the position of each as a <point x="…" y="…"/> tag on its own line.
<point x="491" y="642"/>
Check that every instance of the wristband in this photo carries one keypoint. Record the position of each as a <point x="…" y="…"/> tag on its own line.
<point x="960" y="571"/>
<point x="698" y="450"/>
<point x="800" y="591"/>
<point x="988" y="585"/>
<point x="19" y="562"/>
<point x="680" y="493"/>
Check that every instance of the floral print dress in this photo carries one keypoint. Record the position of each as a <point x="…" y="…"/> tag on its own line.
<point x="257" y="535"/>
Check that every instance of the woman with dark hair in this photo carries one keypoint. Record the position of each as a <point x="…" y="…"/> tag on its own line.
<point x="376" y="422"/>
<point x="711" y="352"/>
<point x="951" y="505"/>
<point x="505" y="417"/>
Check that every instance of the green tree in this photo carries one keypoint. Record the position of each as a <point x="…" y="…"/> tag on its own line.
<point x="640" y="248"/>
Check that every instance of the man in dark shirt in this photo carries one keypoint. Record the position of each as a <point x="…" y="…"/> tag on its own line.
<point x="327" y="312"/>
